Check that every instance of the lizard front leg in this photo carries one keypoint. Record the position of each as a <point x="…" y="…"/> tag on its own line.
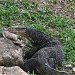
<point x="30" y="65"/>
<point x="31" y="52"/>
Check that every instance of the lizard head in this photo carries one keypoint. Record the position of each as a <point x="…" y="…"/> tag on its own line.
<point x="19" y="30"/>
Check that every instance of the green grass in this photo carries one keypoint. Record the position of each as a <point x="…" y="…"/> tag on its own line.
<point x="42" y="18"/>
<point x="32" y="73"/>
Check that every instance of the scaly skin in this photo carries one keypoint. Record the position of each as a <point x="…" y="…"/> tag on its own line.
<point x="45" y="61"/>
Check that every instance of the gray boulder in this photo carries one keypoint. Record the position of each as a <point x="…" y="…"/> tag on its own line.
<point x="10" y="54"/>
<point x="11" y="71"/>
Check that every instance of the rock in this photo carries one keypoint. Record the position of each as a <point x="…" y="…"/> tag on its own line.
<point x="13" y="37"/>
<point x="68" y="68"/>
<point x="11" y="71"/>
<point x="74" y="69"/>
<point x="9" y="35"/>
<point x="9" y="53"/>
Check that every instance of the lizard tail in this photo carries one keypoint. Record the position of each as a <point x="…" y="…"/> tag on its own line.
<point x="55" y="72"/>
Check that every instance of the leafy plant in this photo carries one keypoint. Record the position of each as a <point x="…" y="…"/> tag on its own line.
<point x="32" y="73"/>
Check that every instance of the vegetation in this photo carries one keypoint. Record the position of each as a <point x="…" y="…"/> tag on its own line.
<point x="42" y="18"/>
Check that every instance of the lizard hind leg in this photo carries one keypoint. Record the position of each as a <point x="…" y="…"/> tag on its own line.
<point x="52" y="63"/>
<point x="42" y="67"/>
<point x="48" y="68"/>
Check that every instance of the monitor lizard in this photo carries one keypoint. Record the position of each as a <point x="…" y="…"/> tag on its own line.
<point x="40" y="40"/>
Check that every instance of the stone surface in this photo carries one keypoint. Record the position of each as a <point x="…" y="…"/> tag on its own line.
<point x="68" y="67"/>
<point x="74" y="69"/>
<point x="10" y="54"/>
<point x="13" y="38"/>
<point x="11" y="71"/>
